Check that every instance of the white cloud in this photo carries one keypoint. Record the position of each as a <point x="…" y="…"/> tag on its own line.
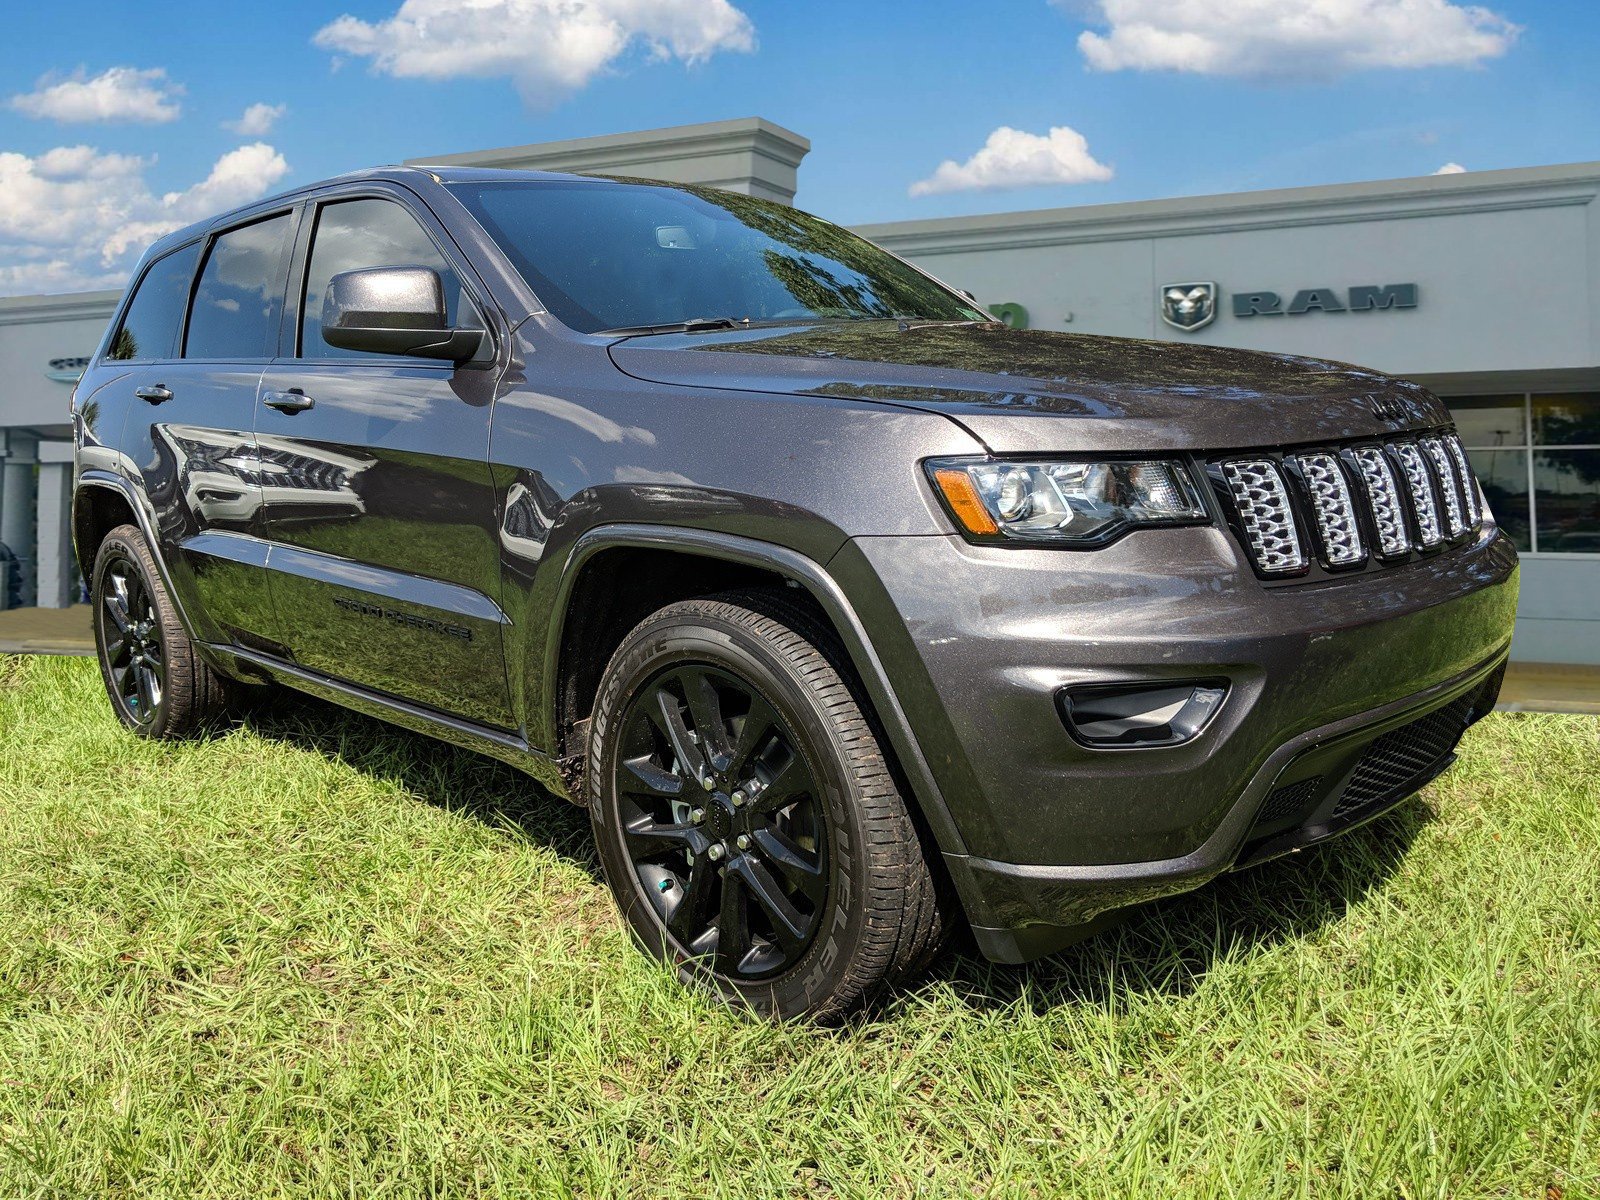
<point x="548" y="48"/>
<point x="117" y="94"/>
<point x="1014" y="159"/>
<point x="1288" y="39"/>
<point x="257" y="120"/>
<point x="1451" y="168"/>
<point x="76" y="218"/>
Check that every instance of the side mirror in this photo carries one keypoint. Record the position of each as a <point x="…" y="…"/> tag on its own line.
<point x="393" y="310"/>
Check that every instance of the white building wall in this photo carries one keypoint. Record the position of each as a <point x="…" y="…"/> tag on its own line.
<point x="1505" y="263"/>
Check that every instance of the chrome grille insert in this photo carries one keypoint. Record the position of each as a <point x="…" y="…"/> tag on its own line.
<point x="1469" y="484"/>
<point x="1365" y="501"/>
<point x="1335" y="509"/>
<point x="1454" y="515"/>
<point x="1423" y="504"/>
<point x="1383" y="497"/>
<point x="1263" y="505"/>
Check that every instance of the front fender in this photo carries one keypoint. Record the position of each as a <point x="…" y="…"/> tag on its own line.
<point x="808" y="574"/>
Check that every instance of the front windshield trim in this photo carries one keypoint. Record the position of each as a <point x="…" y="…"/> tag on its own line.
<point x="761" y="262"/>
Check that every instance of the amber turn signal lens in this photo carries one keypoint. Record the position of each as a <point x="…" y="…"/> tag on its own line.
<point x="962" y="496"/>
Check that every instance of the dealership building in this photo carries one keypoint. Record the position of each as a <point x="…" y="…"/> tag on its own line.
<point x="1483" y="286"/>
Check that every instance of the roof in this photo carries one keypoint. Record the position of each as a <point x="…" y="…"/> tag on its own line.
<point x="390" y="173"/>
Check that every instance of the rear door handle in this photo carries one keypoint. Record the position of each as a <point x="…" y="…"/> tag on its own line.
<point x="291" y="402"/>
<point x="155" y="393"/>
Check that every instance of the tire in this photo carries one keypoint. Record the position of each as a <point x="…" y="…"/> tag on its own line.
<point x="838" y="901"/>
<point x="158" y="685"/>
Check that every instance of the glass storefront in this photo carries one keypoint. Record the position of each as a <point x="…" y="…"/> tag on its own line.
<point x="1538" y="458"/>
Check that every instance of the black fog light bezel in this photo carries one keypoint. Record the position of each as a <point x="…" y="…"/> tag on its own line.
<point x="1076" y="701"/>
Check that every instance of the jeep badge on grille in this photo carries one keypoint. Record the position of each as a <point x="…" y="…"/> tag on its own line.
<point x="1386" y="408"/>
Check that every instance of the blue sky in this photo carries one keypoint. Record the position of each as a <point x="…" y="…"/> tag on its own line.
<point x="1155" y="98"/>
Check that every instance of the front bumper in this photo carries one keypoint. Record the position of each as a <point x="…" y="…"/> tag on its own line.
<point x="1054" y="835"/>
<point x="1301" y="796"/>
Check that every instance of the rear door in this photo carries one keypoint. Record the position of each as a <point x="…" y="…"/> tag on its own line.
<point x="378" y="497"/>
<point x="189" y="436"/>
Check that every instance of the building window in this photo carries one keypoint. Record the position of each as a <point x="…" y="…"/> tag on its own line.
<point x="1538" y="458"/>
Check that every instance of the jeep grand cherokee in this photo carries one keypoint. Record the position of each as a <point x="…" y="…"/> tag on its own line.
<point x="848" y="612"/>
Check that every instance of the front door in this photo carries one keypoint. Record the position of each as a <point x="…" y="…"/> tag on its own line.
<point x="379" y="504"/>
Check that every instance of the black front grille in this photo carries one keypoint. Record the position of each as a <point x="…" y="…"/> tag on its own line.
<point x="1346" y="507"/>
<point x="1394" y="762"/>
<point x="1288" y="801"/>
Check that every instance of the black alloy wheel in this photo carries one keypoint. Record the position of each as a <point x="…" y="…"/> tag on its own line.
<point x="131" y="641"/>
<point x="721" y="820"/>
<point x="159" y="685"/>
<point x="746" y="816"/>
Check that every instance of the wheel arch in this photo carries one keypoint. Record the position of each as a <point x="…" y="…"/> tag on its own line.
<point x="101" y="501"/>
<point x="756" y="559"/>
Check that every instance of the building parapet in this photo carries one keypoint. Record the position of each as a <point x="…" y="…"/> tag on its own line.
<point x="1423" y="196"/>
<point x="749" y="155"/>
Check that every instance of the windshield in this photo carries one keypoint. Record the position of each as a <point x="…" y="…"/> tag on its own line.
<point x="604" y="255"/>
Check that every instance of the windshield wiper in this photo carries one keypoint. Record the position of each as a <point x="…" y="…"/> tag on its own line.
<point x="693" y="325"/>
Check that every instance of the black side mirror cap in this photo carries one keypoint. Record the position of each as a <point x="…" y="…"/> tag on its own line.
<point x="394" y="310"/>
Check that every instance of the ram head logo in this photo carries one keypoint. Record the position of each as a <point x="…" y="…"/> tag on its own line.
<point x="1188" y="306"/>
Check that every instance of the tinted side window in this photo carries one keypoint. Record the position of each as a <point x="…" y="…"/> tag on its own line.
<point x="355" y="234"/>
<point x="239" y="300"/>
<point x="150" y="328"/>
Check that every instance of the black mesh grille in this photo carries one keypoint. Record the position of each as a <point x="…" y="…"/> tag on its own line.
<point x="1397" y="758"/>
<point x="1288" y="801"/>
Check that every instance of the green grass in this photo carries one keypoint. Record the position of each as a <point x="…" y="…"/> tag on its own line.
<point x="317" y="956"/>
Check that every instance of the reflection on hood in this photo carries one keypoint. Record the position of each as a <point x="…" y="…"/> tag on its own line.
<point x="1016" y="390"/>
<point x="1066" y="360"/>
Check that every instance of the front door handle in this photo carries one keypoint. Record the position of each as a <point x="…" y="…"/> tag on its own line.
<point x="155" y="393"/>
<point x="291" y="402"/>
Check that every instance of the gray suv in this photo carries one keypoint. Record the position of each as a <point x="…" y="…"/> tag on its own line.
<point x="848" y="612"/>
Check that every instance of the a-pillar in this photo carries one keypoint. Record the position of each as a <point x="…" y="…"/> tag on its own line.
<point x="16" y="520"/>
<point x="57" y="587"/>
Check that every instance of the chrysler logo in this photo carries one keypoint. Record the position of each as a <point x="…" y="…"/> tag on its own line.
<point x="1188" y="306"/>
<point x="1386" y="408"/>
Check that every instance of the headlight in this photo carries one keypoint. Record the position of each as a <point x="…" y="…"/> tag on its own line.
<point x="1064" y="503"/>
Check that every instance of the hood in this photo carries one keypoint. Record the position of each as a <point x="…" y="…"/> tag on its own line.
<point x="1033" y="391"/>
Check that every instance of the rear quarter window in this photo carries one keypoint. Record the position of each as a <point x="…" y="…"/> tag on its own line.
<point x="150" y="327"/>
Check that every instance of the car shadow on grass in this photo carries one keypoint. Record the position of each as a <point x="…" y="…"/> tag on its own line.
<point x="1165" y="948"/>
<point x="454" y="779"/>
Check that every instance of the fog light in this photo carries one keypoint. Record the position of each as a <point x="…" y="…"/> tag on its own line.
<point x="1139" y="715"/>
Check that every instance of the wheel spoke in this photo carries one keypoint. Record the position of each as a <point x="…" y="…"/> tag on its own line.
<point x="793" y="863"/>
<point x="650" y="780"/>
<point x="792" y="781"/>
<point x="733" y="926"/>
<point x="691" y="913"/>
<point x="116" y="606"/>
<point x="116" y="647"/>
<point x="787" y="923"/>
<point x="705" y="706"/>
<point x="758" y="726"/>
<point x="144" y="686"/>
<point x="668" y="717"/>
<point x="651" y="840"/>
